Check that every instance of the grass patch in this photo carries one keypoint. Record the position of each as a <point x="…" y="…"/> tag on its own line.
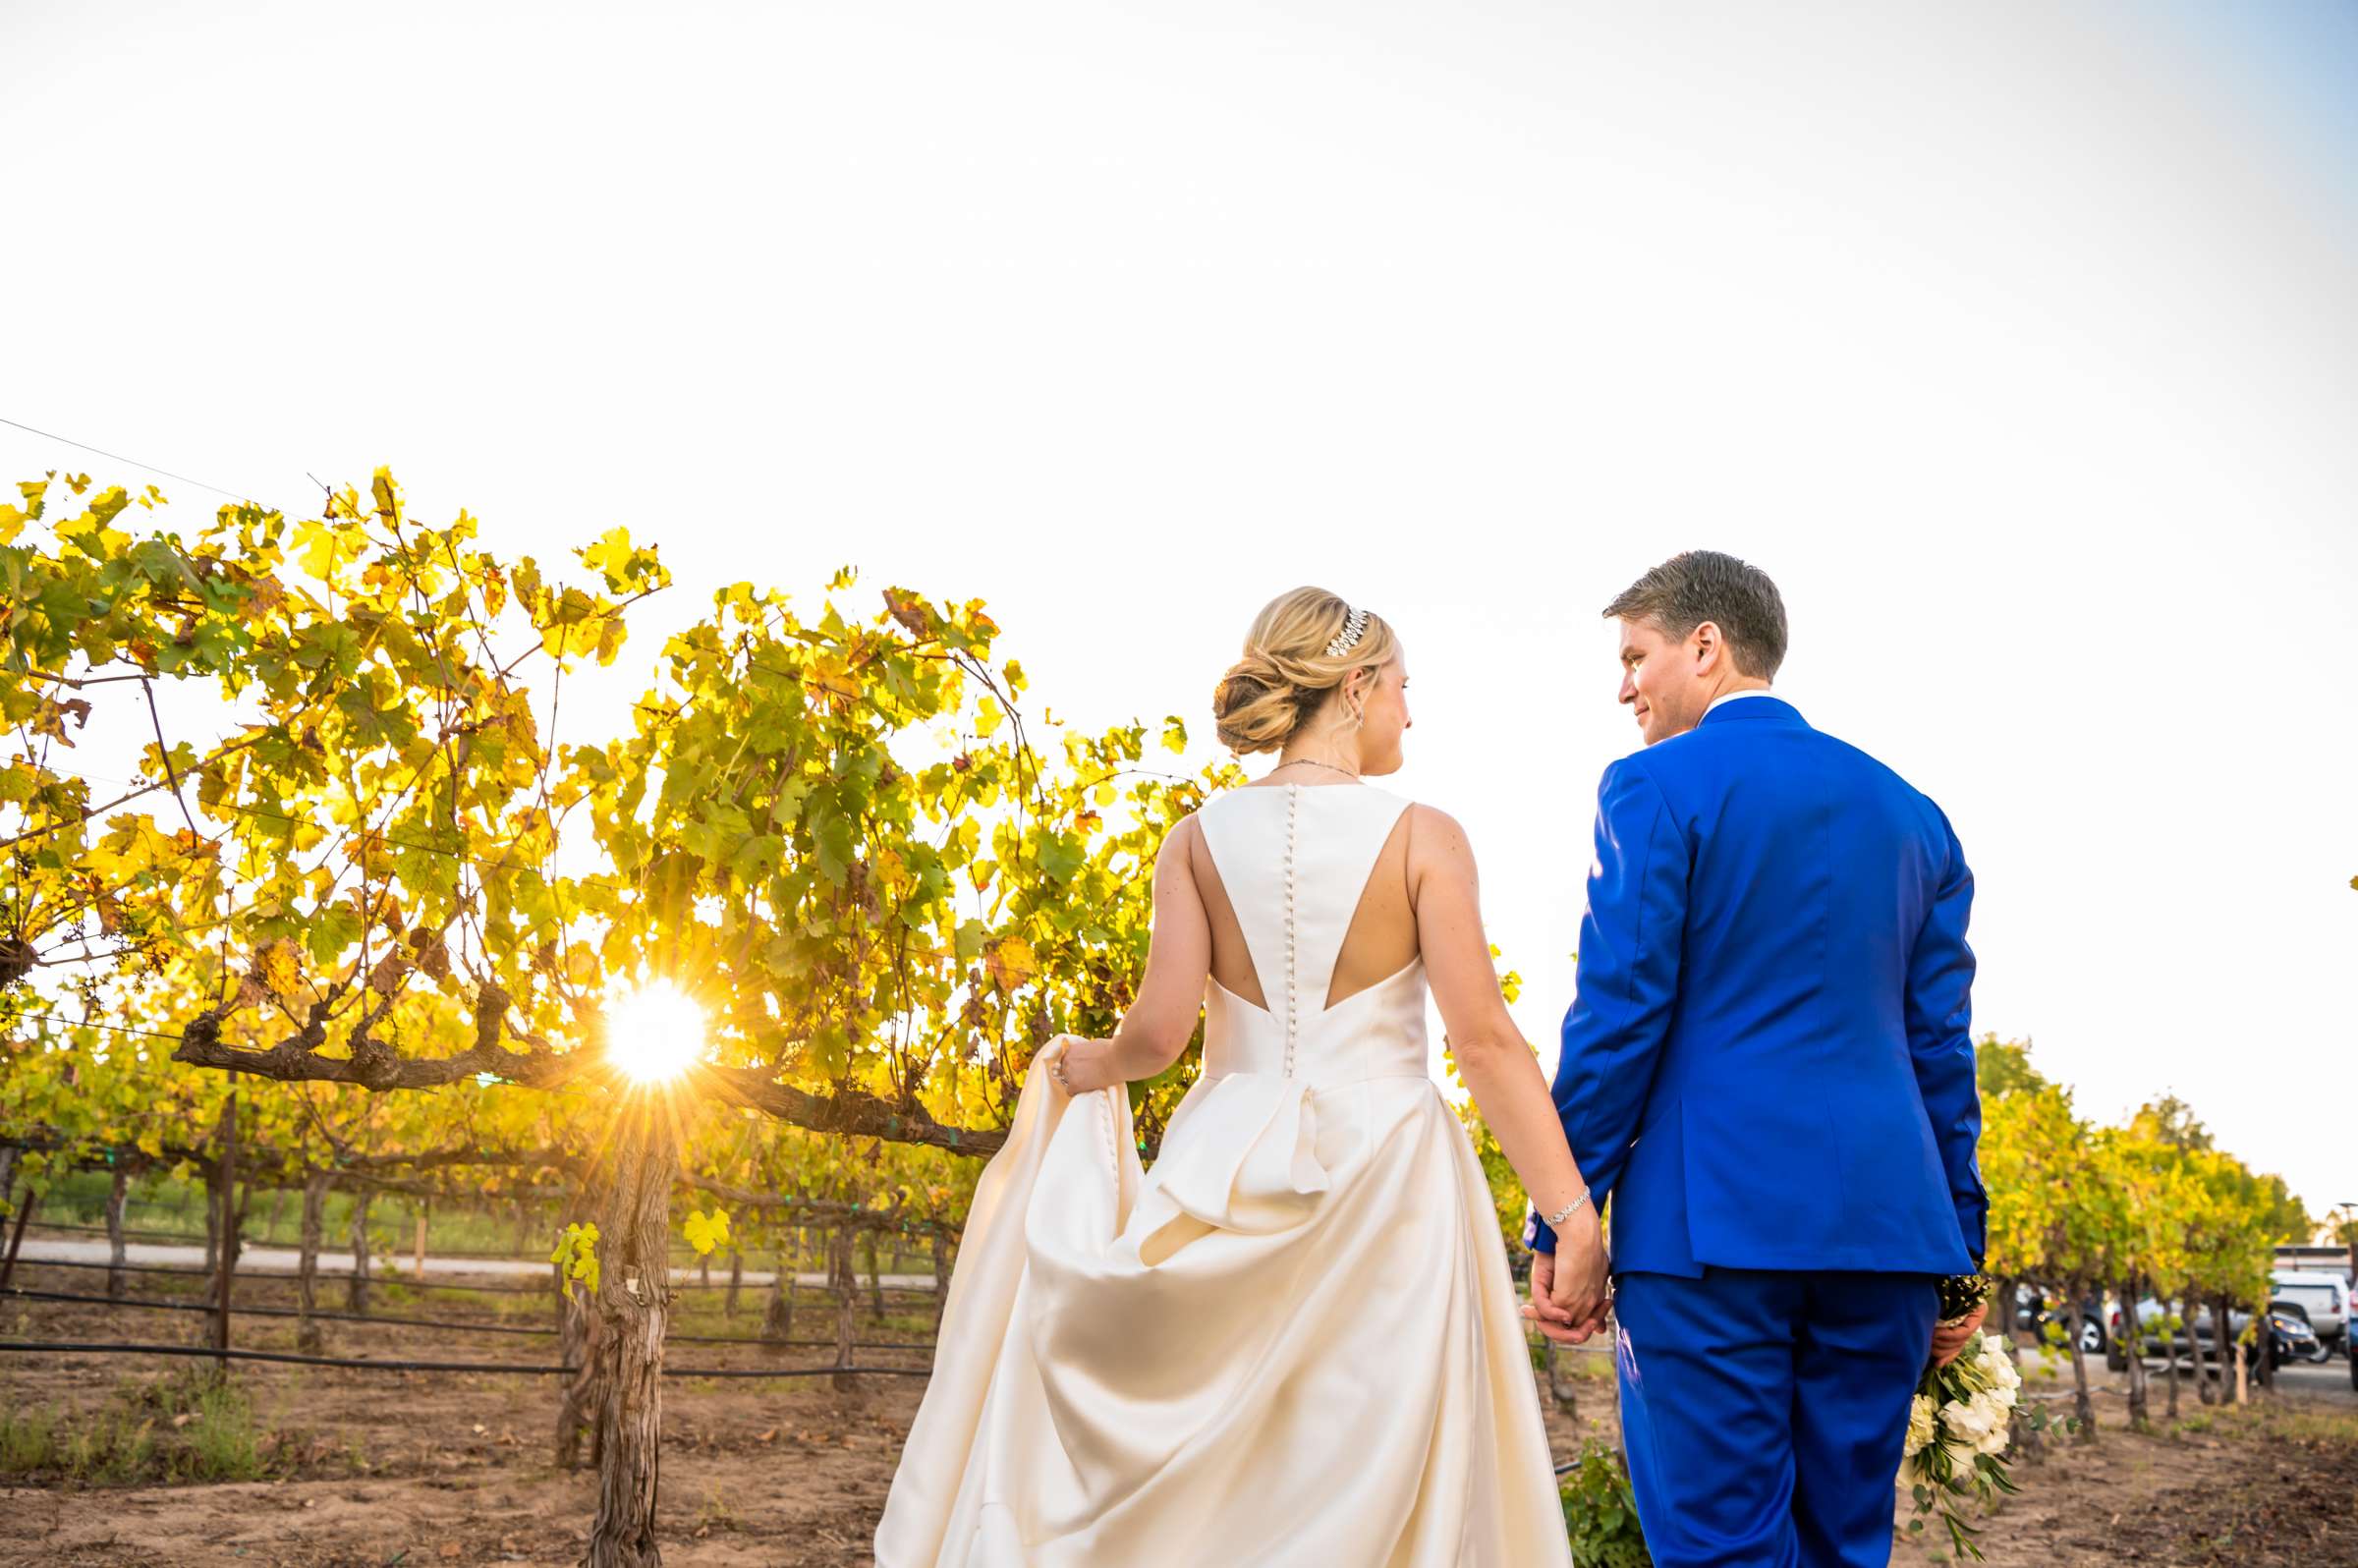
<point x="189" y="1426"/>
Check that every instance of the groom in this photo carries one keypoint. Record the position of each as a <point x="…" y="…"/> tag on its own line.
<point x="1768" y="1070"/>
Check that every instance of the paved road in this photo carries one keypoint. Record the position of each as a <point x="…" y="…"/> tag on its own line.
<point x="285" y="1261"/>
<point x="2333" y="1377"/>
<point x="2306" y="1379"/>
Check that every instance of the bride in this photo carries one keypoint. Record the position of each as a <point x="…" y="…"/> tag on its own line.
<point x="1295" y="1340"/>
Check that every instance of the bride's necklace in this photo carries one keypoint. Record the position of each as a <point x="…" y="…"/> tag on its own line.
<point x="1314" y="763"/>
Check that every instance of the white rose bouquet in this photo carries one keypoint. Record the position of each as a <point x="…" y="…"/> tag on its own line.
<point x="1958" y="1428"/>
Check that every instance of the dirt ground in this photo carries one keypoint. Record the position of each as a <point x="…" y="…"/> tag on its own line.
<point x="371" y="1470"/>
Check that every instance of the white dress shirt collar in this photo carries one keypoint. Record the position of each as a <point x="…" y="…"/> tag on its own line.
<point x="1731" y="697"/>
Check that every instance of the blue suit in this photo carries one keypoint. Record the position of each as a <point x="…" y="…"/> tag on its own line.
<point x="1769" y="1069"/>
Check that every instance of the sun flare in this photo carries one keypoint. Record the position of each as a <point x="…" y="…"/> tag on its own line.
<point x="655" y="1032"/>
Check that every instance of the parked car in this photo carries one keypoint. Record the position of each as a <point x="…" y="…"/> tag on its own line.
<point x="2033" y="1312"/>
<point x="2289" y="1336"/>
<point x="2324" y="1299"/>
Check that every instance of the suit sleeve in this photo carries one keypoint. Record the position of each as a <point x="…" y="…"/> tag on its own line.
<point x="1941" y="1042"/>
<point x="1630" y="943"/>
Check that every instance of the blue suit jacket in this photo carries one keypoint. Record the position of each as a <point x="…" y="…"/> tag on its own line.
<point x="1769" y="1064"/>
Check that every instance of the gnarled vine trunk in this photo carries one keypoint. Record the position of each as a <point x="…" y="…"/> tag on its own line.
<point x="876" y="1276"/>
<point x="307" y="1268"/>
<point x="118" y="1255"/>
<point x="2132" y="1351"/>
<point x="2230" y="1349"/>
<point x="1561" y="1386"/>
<point x="577" y="1341"/>
<point x="212" y="1220"/>
<point x="2187" y="1306"/>
<point x="2083" y="1404"/>
<point x="941" y="1277"/>
<point x="27" y="1201"/>
<point x="357" y="1285"/>
<point x="846" y="1286"/>
<point x="634" y="1300"/>
<point x="777" y="1317"/>
<point x="232" y="1217"/>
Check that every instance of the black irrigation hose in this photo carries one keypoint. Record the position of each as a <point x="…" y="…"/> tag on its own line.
<point x="276" y="1311"/>
<point x="444" y="1366"/>
<point x="188" y="1238"/>
<point x="390" y="1277"/>
<point x="433" y="1322"/>
<point x="407" y="1281"/>
<point x="128" y="1232"/>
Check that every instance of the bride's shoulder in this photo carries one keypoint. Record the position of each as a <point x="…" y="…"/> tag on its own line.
<point x="1434" y="838"/>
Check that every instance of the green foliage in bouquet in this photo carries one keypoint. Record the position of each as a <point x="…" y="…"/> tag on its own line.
<point x="1600" y="1513"/>
<point x="1959" y="1428"/>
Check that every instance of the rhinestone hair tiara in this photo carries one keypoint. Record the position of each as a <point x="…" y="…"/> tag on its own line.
<point x="1355" y="626"/>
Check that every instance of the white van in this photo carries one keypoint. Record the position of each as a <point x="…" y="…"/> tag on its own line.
<point x="2326" y="1298"/>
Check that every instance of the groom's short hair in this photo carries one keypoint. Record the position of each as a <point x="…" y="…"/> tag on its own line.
<point x="1700" y="586"/>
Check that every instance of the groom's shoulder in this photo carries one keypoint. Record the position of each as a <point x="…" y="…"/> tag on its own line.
<point x="1732" y="752"/>
<point x="1879" y="777"/>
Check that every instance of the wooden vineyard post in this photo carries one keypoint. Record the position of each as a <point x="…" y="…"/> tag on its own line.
<point x="728" y="1306"/>
<point x="846" y="1286"/>
<point x="356" y="1286"/>
<point x="633" y="1307"/>
<point x="117" y="1197"/>
<point x="230" y="1215"/>
<point x="876" y="1276"/>
<point x="307" y="1269"/>
<point x="418" y="1258"/>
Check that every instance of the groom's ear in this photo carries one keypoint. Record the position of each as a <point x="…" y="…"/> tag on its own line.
<point x="1705" y="644"/>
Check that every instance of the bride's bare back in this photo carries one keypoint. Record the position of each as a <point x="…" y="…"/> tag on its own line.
<point x="1382" y="939"/>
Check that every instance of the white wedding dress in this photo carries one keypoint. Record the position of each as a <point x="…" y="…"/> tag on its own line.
<point x="1294" y="1341"/>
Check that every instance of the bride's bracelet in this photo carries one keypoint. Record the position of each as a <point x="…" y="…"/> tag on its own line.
<point x="1556" y="1220"/>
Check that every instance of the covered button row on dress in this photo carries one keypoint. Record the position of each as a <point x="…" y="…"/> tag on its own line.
<point x="1293" y="807"/>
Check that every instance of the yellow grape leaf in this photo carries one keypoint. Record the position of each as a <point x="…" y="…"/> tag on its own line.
<point x="1011" y="963"/>
<point x="315" y="548"/>
<point x="707" y="1231"/>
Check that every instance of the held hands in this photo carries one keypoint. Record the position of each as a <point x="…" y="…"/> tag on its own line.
<point x="1569" y="1296"/>
<point x="1950" y="1343"/>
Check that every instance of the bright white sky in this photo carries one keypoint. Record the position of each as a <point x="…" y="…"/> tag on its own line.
<point x="2020" y="343"/>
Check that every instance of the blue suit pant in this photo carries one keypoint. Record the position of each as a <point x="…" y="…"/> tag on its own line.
<point x="1763" y="1411"/>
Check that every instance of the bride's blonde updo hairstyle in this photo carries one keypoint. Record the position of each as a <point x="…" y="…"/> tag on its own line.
<point x="1287" y="671"/>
